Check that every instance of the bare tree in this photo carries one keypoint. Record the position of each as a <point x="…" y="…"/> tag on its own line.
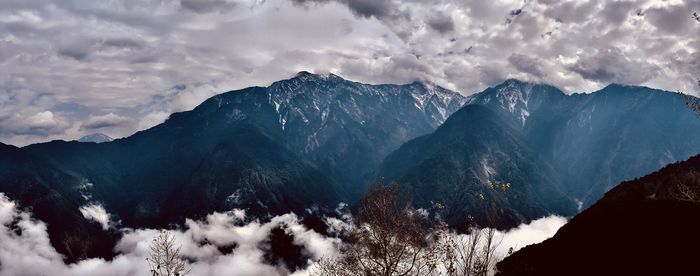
<point x="164" y="258"/>
<point x="467" y="255"/>
<point x="693" y="102"/>
<point x="389" y="238"/>
<point x="684" y="187"/>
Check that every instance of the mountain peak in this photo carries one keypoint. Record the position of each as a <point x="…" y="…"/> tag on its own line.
<point x="512" y="81"/>
<point x="308" y="76"/>
<point x="515" y="97"/>
<point x="95" y="138"/>
<point x="615" y="86"/>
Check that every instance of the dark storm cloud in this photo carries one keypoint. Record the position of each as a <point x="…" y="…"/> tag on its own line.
<point x="441" y="23"/>
<point x="364" y="8"/>
<point x="123" y="43"/>
<point x="671" y="20"/>
<point x="611" y="65"/>
<point x="77" y="52"/>
<point x="105" y="121"/>
<point x="527" y="64"/>
<point x="207" y="6"/>
<point x="367" y="8"/>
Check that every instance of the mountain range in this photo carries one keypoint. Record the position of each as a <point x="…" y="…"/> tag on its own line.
<point x="551" y="147"/>
<point x="515" y="151"/>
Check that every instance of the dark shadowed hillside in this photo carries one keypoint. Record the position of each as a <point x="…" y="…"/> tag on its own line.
<point x="55" y="198"/>
<point x="647" y="226"/>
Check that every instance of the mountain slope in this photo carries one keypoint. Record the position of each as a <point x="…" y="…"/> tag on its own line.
<point x="464" y="164"/>
<point x="347" y="128"/>
<point x="302" y="142"/>
<point x="597" y="140"/>
<point x="141" y="178"/>
<point x="646" y="226"/>
<point x="55" y="198"/>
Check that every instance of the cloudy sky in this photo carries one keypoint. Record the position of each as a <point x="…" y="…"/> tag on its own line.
<point x="74" y="67"/>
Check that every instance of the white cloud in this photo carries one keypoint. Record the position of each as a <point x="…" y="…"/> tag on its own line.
<point x="526" y="234"/>
<point x="123" y="57"/>
<point x="96" y="213"/>
<point x="42" y="123"/>
<point x="30" y="253"/>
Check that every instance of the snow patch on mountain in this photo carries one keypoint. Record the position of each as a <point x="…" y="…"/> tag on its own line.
<point x="314" y="100"/>
<point x="95" y="138"/>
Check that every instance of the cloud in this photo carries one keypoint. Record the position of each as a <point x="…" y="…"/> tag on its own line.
<point x="367" y="8"/>
<point x="441" y="23"/>
<point x="526" y="234"/>
<point x="105" y="121"/>
<point x="25" y="248"/>
<point x="124" y="56"/>
<point x="617" y="12"/>
<point x="571" y="12"/>
<point x="527" y="64"/>
<point x="671" y="19"/>
<point x="612" y="65"/>
<point x="42" y="123"/>
<point x="96" y="213"/>
<point x="207" y="6"/>
<point x="363" y="8"/>
<point x="506" y="242"/>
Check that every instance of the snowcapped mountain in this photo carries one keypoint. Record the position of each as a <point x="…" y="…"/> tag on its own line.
<point x="95" y="138"/>
<point x="517" y="100"/>
<point x="347" y="128"/>
<point x="308" y="142"/>
<point x="308" y="96"/>
<point x="312" y="141"/>
<point x="596" y="140"/>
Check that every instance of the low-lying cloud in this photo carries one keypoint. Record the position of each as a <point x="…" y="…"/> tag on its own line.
<point x="25" y="248"/>
<point x="96" y="213"/>
<point x="29" y="252"/>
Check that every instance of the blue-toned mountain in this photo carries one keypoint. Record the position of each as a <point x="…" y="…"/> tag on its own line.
<point x="306" y="142"/>
<point x="596" y="140"/>
<point x="554" y="149"/>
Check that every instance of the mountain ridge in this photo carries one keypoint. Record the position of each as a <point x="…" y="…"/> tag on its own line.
<point x="138" y="177"/>
<point x="313" y="141"/>
<point x="597" y="130"/>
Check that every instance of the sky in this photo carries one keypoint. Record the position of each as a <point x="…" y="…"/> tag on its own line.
<point x="74" y="67"/>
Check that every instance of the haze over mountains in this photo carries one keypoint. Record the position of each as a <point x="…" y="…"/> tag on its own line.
<point x="313" y="141"/>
